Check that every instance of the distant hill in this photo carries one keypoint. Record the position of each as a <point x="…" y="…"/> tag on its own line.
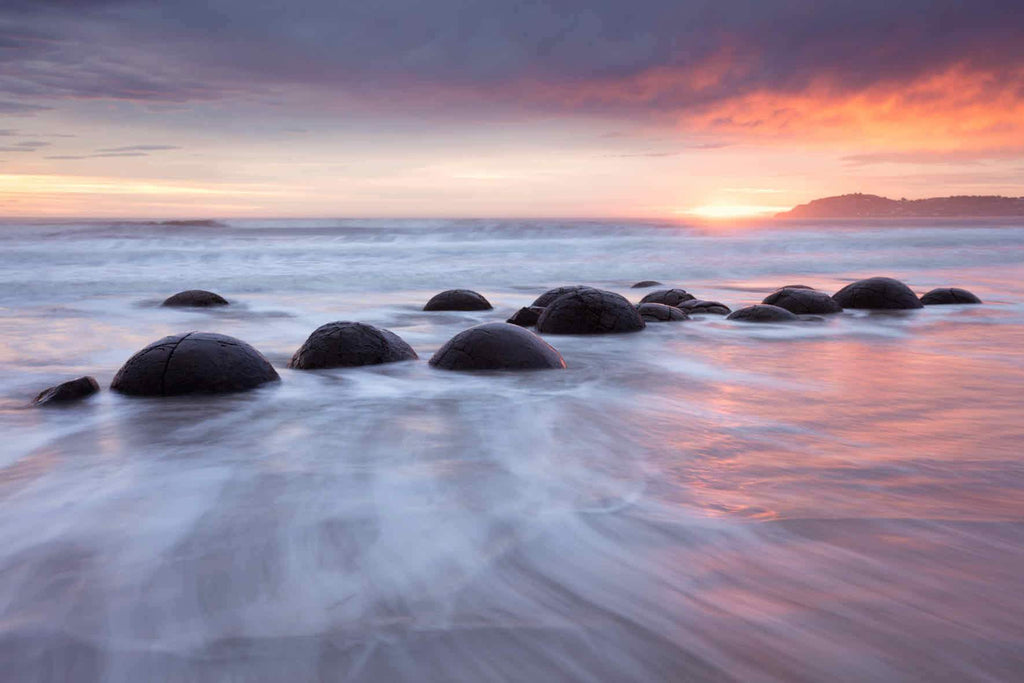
<point x="873" y="206"/>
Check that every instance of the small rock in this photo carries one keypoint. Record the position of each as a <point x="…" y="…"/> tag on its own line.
<point x="458" y="300"/>
<point x="66" y="392"/>
<point x="345" y="344"/>
<point x="801" y="300"/>
<point x="646" y="283"/>
<point x="526" y="317"/>
<point x="762" y="313"/>
<point x="698" y="306"/>
<point x="660" y="313"/>
<point x="195" y="298"/>
<point x="949" y="295"/>
<point x="669" y="297"/>
<point x="497" y="346"/>
<point x="590" y="311"/>
<point x="877" y="293"/>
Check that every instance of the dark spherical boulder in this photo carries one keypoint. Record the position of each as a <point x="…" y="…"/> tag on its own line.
<point x="497" y="346"/>
<point x="646" y="283"/>
<point x="74" y="390"/>
<point x="345" y="344"/>
<point x="699" y="306"/>
<point x="590" y="311"/>
<point x="195" y="298"/>
<point x="949" y="295"/>
<point x="458" y="300"/>
<point x="660" y="313"/>
<point x="545" y="299"/>
<point x="762" y="313"/>
<point x="669" y="297"/>
<point x="803" y="301"/>
<point x="795" y="287"/>
<point x="877" y="293"/>
<point x="193" y="363"/>
<point x="526" y="317"/>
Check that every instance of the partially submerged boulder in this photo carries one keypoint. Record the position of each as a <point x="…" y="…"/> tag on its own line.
<point x="193" y="363"/>
<point x="698" y="306"/>
<point x="526" y="316"/>
<point x="883" y="293"/>
<point x="545" y="299"/>
<point x="762" y="313"/>
<point x="344" y="344"/>
<point x="458" y="300"/>
<point x="949" y="295"/>
<point x="646" y="283"/>
<point x="75" y="390"/>
<point x="803" y="301"/>
<point x="497" y="346"/>
<point x="660" y="313"/>
<point x="195" y="298"/>
<point x="669" y="297"/>
<point x="590" y="311"/>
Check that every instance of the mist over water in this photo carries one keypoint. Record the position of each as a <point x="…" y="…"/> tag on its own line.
<point x="702" y="501"/>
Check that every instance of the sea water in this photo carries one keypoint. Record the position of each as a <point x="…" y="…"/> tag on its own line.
<point x="706" y="500"/>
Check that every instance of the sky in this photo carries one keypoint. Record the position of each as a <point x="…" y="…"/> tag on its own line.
<point x="463" y="108"/>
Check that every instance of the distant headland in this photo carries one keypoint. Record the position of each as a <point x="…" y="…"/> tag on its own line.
<point x="873" y="206"/>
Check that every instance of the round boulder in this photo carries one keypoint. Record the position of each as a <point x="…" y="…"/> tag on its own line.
<point x="458" y="300"/>
<point x="545" y="299"/>
<point x="74" y="390"/>
<point x="193" y="363"/>
<point x="195" y="298"/>
<point x="803" y="301"/>
<point x="590" y="311"/>
<point x="646" y="283"/>
<point x="497" y="346"/>
<point x="795" y="287"/>
<point x="696" y="306"/>
<point x="526" y="317"/>
<point x="877" y="293"/>
<point x="669" y="297"/>
<point x="345" y="344"/>
<point x="660" y="313"/>
<point x="762" y="313"/>
<point x="949" y="295"/>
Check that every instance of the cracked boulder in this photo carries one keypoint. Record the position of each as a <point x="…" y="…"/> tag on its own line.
<point x="669" y="297"/>
<point x="75" y="390"/>
<point x="803" y="301"/>
<point x="193" y="363"/>
<point x="590" y="311"/>
<point x="949" y="295"/>
<point x="545" y="299"/>
<point x="346" y="344"/>
<point x="660" y="313"/>
<point x="883" y="293"/>
<point x="195" y="298"/>
<point x="526" y="317"/>
<point x="646" y="283"/>
<point x="699" y="306"/>
<point x="458" y="300"/>
<point x="497" y="346"/>
<point x="762" y="313"/>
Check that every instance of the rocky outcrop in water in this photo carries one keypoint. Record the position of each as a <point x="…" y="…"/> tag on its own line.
<point x="949" y="295"/>
<point x="195" y="298"/>
<point x="345" y="344"/>
<point x="590" y="311"/>
<point x="660" y="313"/>
<point x="193" y="363"/>
<point x="882" y="293"/>
<point x="803" y="301"/>
<point x="669" y="297"/>
<point x="526" y="317"/>
<point x="497" y="346"/>
<point x="545" y="299"/>
<point x="762" y="313"/>
<point x="66" y="392"/>
<point x="646" y="283"/>
<point x="458" y="300"/>
<point x="700" y="306"/>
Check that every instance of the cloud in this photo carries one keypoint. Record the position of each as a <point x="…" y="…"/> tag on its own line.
<point x="25" y="146"/>
<point x="20" y="108"/>
<point x="959" y="157"/>
<point x="139" y="148"/>
<point x="102" y="155"/>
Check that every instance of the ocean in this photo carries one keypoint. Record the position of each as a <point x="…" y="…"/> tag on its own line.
<point x="701" y="501"/>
